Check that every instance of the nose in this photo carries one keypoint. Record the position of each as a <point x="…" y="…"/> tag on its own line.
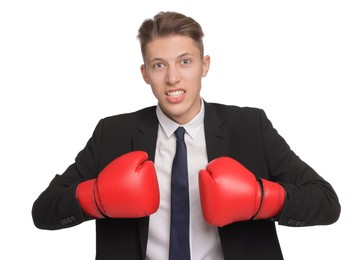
<point x="173" y="75"/>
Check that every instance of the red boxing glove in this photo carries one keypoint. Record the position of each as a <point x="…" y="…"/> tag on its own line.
<point x="126" y="188"/>
<point x="229" y="193"/>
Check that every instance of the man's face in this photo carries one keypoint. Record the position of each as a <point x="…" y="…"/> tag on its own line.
<point x="174" y="68"/>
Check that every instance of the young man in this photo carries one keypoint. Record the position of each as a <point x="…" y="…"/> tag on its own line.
<point x="237" y="176"/>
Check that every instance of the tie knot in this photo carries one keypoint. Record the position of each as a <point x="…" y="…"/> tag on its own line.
<point x="179" y="133"/>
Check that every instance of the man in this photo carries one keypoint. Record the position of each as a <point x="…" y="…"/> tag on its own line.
<point x="241" y="176"/>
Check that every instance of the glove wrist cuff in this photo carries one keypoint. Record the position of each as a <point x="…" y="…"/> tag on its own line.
<point x="273" y="196"/>
<point x="85" y="196"/>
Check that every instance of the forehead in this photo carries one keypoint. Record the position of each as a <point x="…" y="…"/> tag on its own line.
<point x="170" y="47"/>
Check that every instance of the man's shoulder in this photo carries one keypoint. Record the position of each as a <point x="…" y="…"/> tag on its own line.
<point x="227" y="109"/>
<point x="141" y="113"/>
<point x="129" y="119"/>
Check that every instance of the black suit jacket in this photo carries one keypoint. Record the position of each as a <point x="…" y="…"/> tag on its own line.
<point x="244" y="134"/>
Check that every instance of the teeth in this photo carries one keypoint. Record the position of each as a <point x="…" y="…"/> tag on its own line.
<point x="175" y="93"/>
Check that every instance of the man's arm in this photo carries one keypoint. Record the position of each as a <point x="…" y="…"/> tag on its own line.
<point x="57" y="207"/>
<point x="310" y="200"/>
<point x="286" y="190"/>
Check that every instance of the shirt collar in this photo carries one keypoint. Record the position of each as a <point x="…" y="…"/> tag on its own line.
<point x="192" y="127"/>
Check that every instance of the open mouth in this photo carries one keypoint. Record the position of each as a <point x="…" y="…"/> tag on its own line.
<point x="176" y="93"/>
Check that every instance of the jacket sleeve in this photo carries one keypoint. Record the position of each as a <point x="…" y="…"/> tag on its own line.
<point x="57" y="206"/>
<point x="310" y="199"/>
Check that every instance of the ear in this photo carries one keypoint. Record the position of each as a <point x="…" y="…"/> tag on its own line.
<point x="206" y="64"/>
<point x="144" y="74"/>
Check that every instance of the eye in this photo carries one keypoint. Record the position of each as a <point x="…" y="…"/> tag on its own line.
<point x="186" y="61"/>
<point x="158" y="65"/>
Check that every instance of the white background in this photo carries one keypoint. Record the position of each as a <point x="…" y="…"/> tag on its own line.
<point x="66" y="64"/>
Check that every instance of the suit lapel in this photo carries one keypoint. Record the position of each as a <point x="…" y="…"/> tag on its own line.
<point x="145" y="140"/>
<point x="146" y="137"/>
<point x="217" y="139"/>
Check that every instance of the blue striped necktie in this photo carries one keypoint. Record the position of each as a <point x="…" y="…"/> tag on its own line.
<point x="179" y="228"/>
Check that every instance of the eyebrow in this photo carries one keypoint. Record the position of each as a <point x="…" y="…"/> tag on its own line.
<point x="186" y="54"/>
<point x="180" y="56"/>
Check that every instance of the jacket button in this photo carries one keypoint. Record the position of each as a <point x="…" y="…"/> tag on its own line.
<point x="67" y="220"/>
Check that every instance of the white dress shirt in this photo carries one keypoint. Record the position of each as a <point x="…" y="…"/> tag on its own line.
<point x="204" y="239"/>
